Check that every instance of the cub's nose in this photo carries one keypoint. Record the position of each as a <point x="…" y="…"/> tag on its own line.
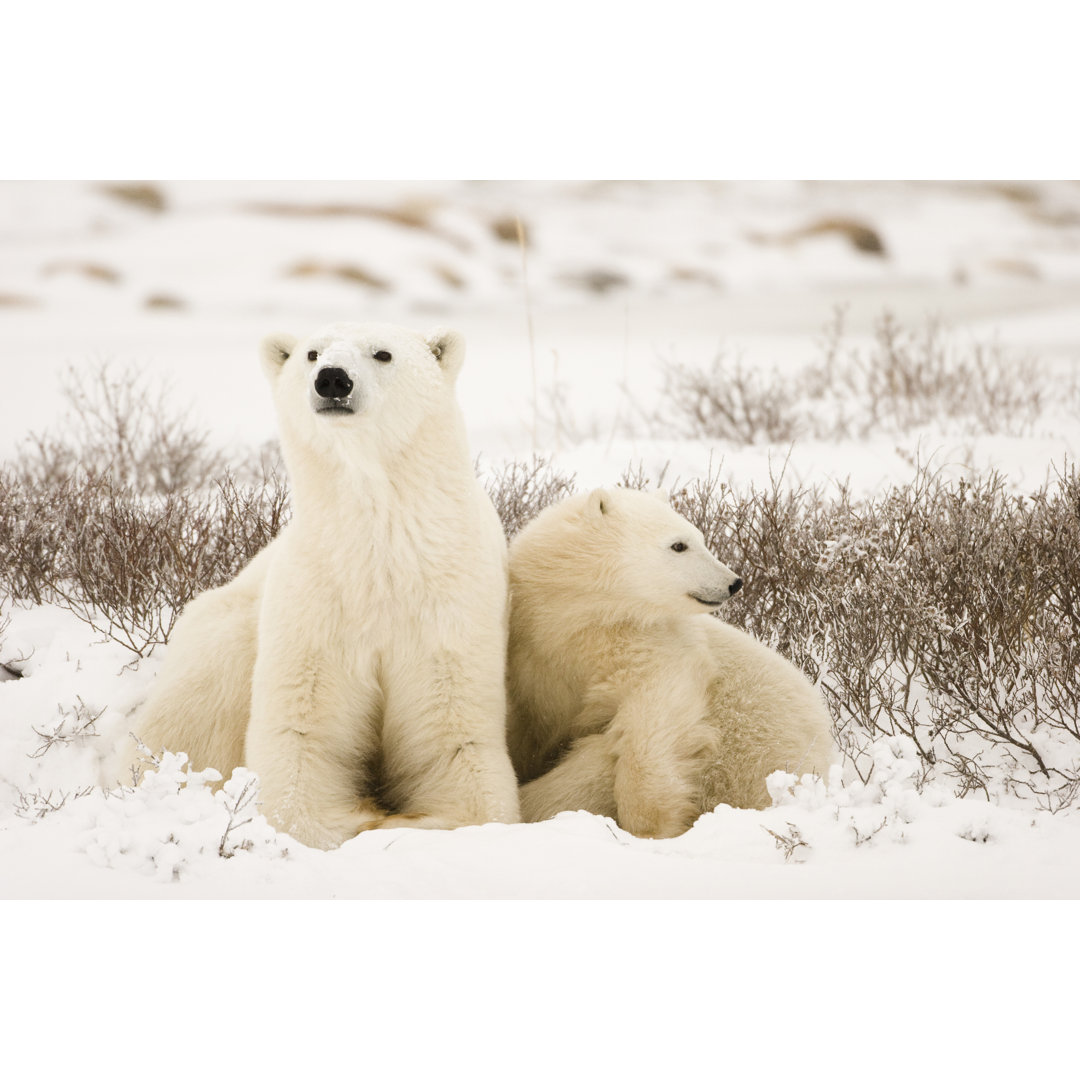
<point x="333" y="382"/>
<point x="735" y="586"/>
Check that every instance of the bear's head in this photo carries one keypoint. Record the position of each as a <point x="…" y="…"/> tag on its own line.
<point x="361" y="384"/>
<point x="626" y="553"/>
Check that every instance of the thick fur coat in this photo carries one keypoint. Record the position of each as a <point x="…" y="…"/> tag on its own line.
<point x="357" y="663"/>
<point x="626" y="699"/>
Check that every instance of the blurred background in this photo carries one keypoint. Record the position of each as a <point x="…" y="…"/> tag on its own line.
<point x="576" y="298"/>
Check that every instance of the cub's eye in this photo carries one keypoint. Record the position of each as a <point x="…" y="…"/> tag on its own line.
<point x="384" y="356"/>
<point x="678" y="546"/>
<point x="313" y="356"/>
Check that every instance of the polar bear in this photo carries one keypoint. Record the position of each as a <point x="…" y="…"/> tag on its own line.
<point x="625" y="698"/>
<point x="357" y="663"/>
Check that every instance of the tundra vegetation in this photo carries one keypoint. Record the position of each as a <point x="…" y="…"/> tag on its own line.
<point x="943" y="612"/>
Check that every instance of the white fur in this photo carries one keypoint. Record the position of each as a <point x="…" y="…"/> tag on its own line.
<point x="357" y="663"/>
<point x="626" y="698"/>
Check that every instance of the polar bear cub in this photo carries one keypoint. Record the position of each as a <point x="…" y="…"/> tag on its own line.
<point x="357" y="663"/>
<point x="625" y="698"/>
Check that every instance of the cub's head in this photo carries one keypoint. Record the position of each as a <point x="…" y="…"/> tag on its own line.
<point x="628" y="553"/>
<point x="360" y="381"/>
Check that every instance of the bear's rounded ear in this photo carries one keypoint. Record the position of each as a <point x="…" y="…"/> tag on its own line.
<point x="449" y="349"/>
<point x="663" y="495"/>
<point x="599" y="502"/>
<point x="275" y="349"/>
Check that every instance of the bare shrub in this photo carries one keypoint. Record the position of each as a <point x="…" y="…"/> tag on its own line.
<point x="727" y="401"/>
<point x="521" y="490"/>
<point x="34" y="805"/>
<point x="905" y="381"/>
<point x="260" y="465"/>
<point x="790" y="843"/>
<point x="29" y="536"/>
<point x="127" y="566"/>
<point x="117" y="427"/>
<point x="126" y="563"/>
<point x="9" y="667"/>
<point x="75" y="725"/>
<point x="945" y="614"/>
<point x="910" y="380"/>
<point x="634" y="477"/>
<point x="247" y="517"/>
<point x="127" y="514"/>
<point x="239" y="798"/>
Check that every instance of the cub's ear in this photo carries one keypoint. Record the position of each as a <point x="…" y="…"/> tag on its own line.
<point x="274" y="350"/>
<point x="449" y="349"/>
<point x="663" y="495"/>
<point x="599" y="502"/>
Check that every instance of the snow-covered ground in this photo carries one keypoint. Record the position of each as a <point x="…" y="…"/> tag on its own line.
<point x="567" y="343"/>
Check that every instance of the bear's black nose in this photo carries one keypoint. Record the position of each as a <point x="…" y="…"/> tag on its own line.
<point x="333" y="382"/>
<point x="735" y="586"/>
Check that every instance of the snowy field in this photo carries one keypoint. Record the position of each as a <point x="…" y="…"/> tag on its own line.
<point x="568" y="342"/>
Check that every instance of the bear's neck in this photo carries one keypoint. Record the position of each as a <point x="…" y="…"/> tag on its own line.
<point x="588" y="633"/>
<point x="423" y="478"/>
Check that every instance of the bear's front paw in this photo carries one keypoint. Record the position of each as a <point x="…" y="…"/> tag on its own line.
<point x="330" y="829"/>
<point x="654" y="822"/>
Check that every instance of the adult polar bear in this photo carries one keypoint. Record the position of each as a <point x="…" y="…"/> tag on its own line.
<point x="357" y="663"/>
<point x="626" y="699"/>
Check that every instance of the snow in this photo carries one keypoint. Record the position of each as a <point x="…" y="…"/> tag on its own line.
<point x="690" y="269"/>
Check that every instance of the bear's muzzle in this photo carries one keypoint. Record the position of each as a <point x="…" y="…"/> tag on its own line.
<point x="332" y="391"/>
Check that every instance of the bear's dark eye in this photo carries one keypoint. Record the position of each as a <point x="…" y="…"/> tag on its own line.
<point x="313" y="356"/>
<point x="678" y="546"/>
<point x="384" y="356"/>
